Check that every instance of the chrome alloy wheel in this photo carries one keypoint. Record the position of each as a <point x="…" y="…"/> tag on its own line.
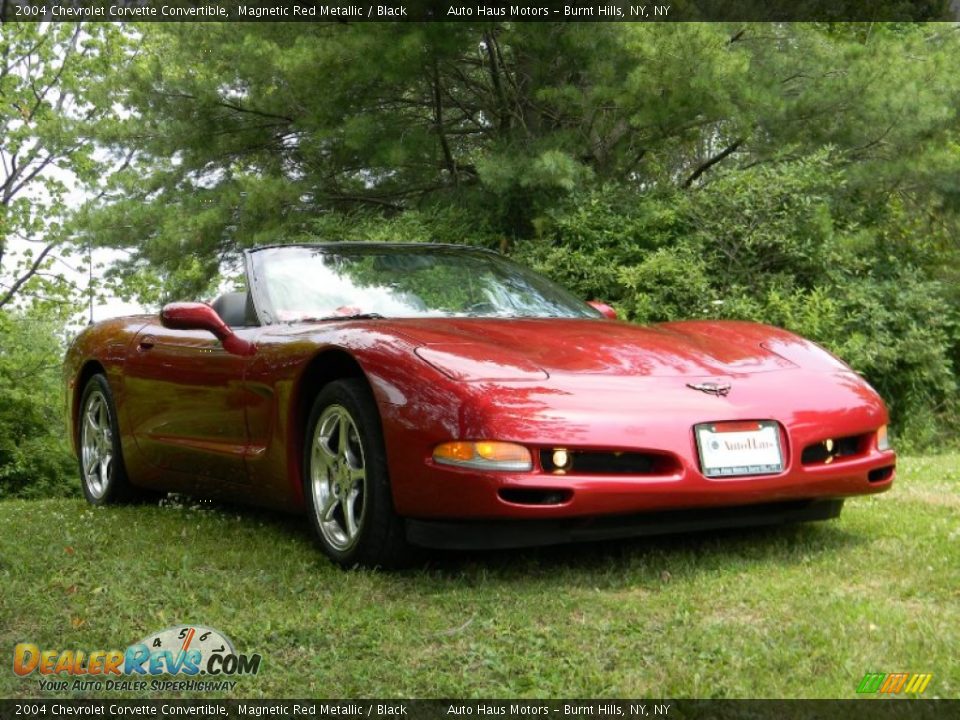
<point x="96" y="444"/>
<point x="338" y="476"/>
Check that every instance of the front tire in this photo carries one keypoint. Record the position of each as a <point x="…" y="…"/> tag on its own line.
<point x="103" y="476"/>
<point x="346" y="481"/>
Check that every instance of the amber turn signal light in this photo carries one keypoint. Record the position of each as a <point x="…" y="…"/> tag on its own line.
<point x="484" y="455"/>
<point x="883" y="441"/>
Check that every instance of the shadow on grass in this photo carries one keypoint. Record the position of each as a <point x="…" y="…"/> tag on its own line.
<point x="661" y="558"/>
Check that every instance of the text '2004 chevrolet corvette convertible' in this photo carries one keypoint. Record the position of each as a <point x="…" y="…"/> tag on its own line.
<point x="442" y="396"/>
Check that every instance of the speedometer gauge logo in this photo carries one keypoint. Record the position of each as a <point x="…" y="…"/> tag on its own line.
<point x="189" y="637"/>
<point x="191" y="650"/>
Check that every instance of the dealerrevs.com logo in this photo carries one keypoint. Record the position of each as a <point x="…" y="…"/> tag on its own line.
<point x="185" y="650"/>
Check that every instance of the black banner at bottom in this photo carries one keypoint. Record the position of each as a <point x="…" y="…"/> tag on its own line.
<point x="857" y="709"/>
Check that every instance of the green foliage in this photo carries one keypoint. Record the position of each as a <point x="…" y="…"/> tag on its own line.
<point x="35" y="457"/>
<point x="433" y="223"/>
<point x="55" y="85"/>
<point x="246" y="133"/>
<point x="786" y="245"/>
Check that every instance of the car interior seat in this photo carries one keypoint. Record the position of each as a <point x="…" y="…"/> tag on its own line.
<point x="236" y="309"/>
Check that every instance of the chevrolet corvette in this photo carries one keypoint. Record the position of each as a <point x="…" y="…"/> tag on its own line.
<point x="407" y="395"/>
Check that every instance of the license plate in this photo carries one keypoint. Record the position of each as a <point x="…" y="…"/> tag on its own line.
<point x="729" y="449"/>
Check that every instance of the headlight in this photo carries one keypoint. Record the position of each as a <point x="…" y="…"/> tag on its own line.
<point x="484" y="455"/>
<point x="883" y="442"/>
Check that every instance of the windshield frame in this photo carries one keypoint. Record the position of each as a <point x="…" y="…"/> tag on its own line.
<point x="253" y="260"/>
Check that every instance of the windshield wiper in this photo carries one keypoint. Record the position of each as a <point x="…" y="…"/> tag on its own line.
<point x="355" y="316"/>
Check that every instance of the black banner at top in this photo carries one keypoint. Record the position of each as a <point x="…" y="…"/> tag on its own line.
<point x="478" y="11"/>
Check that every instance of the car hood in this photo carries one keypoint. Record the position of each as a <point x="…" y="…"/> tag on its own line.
<point x="486" y="348"/>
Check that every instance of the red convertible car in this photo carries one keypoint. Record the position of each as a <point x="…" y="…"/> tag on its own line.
<point x="442" y="396"/>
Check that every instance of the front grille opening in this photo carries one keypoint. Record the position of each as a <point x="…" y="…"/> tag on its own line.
<point x="535" y="496"/>
<point x="589" y="462"/>
<point x="880" y="474"/>
<point x="832" y="449"/>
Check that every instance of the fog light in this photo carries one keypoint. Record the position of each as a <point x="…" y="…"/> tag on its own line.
<point x="561" y="459"/>
<point x="484" y="455"/>
<point x="883" y="442"/>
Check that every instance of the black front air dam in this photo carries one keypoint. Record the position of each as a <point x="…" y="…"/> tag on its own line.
<point x="502" y="534"/>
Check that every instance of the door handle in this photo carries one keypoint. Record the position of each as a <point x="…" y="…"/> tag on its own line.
<point x="147" y="343"/>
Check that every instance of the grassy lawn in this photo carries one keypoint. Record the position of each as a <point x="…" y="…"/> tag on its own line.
<point x="799" y="611"/>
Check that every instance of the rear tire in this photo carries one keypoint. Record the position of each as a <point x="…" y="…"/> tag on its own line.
<point x="103" y="475"/>
<point x="346" y="480"/>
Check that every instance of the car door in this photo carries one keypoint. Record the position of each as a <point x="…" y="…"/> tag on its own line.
<point x="185" y="403"/>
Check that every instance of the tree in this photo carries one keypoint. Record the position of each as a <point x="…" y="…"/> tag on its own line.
<point x="54" y="87"/>
<point x="247" y="134"/>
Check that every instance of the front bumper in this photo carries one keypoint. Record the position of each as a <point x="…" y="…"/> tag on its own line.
<point x="471" y="495"/>
<point x="503" y="534"/>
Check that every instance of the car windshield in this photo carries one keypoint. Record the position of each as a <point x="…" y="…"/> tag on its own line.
<point x="309" y="283"/>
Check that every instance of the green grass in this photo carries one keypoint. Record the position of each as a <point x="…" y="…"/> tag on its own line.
<point x="800" y="611"/>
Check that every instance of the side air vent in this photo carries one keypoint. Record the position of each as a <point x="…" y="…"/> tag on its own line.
<point x="880" y="474"/>
<point x="535" y="496"/>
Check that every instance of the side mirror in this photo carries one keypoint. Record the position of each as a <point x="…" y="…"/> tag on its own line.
<point x="198" y="316"/>
<point x="603" y="308"/>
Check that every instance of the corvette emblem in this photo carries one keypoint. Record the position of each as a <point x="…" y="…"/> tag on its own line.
<point x="712" y="388"/>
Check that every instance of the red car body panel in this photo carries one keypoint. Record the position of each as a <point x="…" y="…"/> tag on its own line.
<point x="195" y="418"/>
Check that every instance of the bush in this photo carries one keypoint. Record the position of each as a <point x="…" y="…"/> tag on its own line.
<point x="35" y="457"/>
<point x="787" y="245"/>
